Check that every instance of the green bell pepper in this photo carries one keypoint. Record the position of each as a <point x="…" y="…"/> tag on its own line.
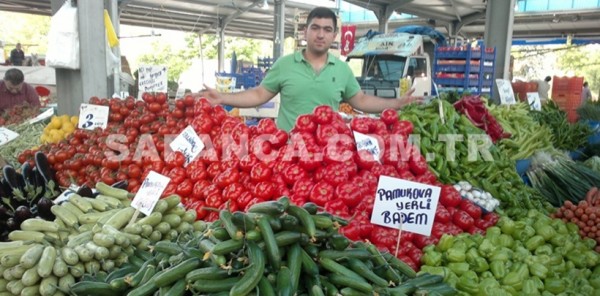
<point x="523" y="234"/>
<point x="544" y="249"/>
<point x="458" y="267"/>
<point x="579" y="259"/>
<point x="555" y="285"/>
<point x="572" y="228"/>
<point x="498" y="269"/>
<point x="488" y="286"/>
<point x="436" y="270"/>
<point x="534" y="242"/>
<point x="545" y="231"/>
<point x="456" y="255"/>
<point x="493" y="231"/>
<point x="505" y="240"/>
<point x="486" y="248"/>
<point x="592" y="258"/>
<point x="467" y="285"/>
<point x="501" y="254"/>
<point x="445" y="243"/>
<point x="480" y="265"/>
<point x="594" y="280"/>
<point x="432" y="258"/>
<point x="538" y="270"/>
<point x="530" y="288"/>
<point x="507" y="225"/>
<point x="555" y="259"/>
<point x="521" y="254"/>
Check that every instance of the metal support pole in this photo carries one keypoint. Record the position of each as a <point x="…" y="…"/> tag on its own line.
<point x="115" y="18"/>
<point x="221" y="44"/>
<point x="500" y="16"/>
<point x="279" y="32"/>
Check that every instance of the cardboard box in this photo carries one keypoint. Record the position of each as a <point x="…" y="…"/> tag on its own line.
<point x="269" y="109"/>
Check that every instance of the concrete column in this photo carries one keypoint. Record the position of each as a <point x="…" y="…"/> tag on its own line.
<point x="221" y="44"/>
<point x="279" y="32"/>
<point x="115" y="16"/>
<point x="498" y="33"/>
<point x="78" y="86"/>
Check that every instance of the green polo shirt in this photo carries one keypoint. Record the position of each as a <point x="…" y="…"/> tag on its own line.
<point x="301" y="89"/>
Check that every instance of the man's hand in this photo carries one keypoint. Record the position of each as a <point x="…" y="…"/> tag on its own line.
<point x="407" y="98"/>
<point x="211" y="94"/>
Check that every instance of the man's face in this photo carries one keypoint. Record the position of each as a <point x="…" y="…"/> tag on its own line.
<point x="13" y="88"/>
<point x="320" y="33"/>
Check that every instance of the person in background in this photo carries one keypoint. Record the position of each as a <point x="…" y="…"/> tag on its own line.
<point x="543" y="88"/>
<point x="14" y="91"/>
<point x="586" y="93"/>
<point x="309" y="78"/>
<point x="17" y="56"/>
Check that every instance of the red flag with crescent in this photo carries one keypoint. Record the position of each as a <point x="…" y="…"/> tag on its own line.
<point x="348" y="35"/>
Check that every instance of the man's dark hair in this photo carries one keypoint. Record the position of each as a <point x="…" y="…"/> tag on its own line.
<point x="548" y="78"/>
<point x="322" y="12"/>
<point x="14" y="75"/>
<point x="585" y="84"/>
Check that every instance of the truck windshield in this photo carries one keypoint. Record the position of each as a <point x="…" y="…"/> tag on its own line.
<point x="380" y="67"/>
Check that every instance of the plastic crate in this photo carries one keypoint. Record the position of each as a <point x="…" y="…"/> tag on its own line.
<point x="522" y="165"/>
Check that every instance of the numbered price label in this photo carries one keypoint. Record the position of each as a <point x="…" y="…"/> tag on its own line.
<point x="364" y="142"/>
<point x="93" y="116"/>
<point x="7" y="135"/>
<point x="408" y="204"/>
<point x="150" y="191"/>
<point x="188" y="143"/>
<point x="507" y="96"/>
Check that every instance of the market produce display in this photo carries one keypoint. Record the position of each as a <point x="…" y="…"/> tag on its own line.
<point x="567" y="136"/>
<point x="18" y="114"/>
<point x="263" y="211"/>
<point x="496" y="174"/>
<point x="527" y="135"/>
<point x="531" y="256"/>
<point x="29" y="137"/>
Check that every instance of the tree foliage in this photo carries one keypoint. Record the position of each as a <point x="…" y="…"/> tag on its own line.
<point x="28" y="29"/>
<point x="583" y="61"/>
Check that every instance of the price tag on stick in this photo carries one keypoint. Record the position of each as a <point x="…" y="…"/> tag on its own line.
<point x="365" y="142"/>
<point x="93" y="116"/>
<point x="405" y="202"/>
<point x="533" y="99"/>
<point x="188" y="143"/>
<point x="507" y="96"/>
<point x="150" y="191"/>
<point x="7" y="135"/>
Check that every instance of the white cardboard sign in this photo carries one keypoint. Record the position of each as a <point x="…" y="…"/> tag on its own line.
<point x="507" y="96"/>
<point x="7" y="135"/>
<point x="533" y="99"/>
<point x="92" y="116"/>
<point x="150" y="191"/>
<point x="188" y="143"/>
<point x="405" y="202"/>
<point x="46" y="114"/>
<point x="365" y="142"/>
<point x="152" y="79"/>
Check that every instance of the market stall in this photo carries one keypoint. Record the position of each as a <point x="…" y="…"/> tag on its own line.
<point x="129" y="208"/>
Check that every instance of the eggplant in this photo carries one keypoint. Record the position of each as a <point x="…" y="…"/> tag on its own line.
<point x="85" y="191"/>
<point x="12" y="224"/>
<point x="43" y="209"/>
<point x="39" y="181"/>
<point x="21" y="182"/>
<point x="41" y="162"/>
<point x="121" y="184"/>
<point x="23" y="213"/>
<point x="4" y="211"/>
<point x="11" y="178"/>
<point x="27" y="172"/>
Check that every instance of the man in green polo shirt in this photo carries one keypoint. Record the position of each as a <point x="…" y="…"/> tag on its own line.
<point x="309" y="78"/>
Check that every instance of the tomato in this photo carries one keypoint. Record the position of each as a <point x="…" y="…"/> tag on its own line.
<point x="418" y="165"/>
<point x="293" y="173"/>
<point x="213" y="169"/>
<point x="161" y="98"/>
<point x="463" y="220"/>
<point x="264" y="190"/>
<point x="348" y="193"/>
<point x="154" y="107"/>
<point x="449" y="196"/>
<point x="321" y="193"/>
<point x="260" y="172"/>
<point x="226" y="177"/>
<point x="470" y="208"/>
<point x="233" y="191"/>
<point x="305" y="123"/>
<point x="177" y="175"/>
<point x="352" y="232"/>
<point x="322" y="114"/>
<point x="302" y="188"/>
<point x="266" y="126"/>
<point x="185" y="188"/>
<point x="337" y="207"/>
<point x="389" y="116"/>
<point x="189" y="101"/>
<point x="280" y="138"/>
<point x="325" y="132"/>
<point x="442" y="215"/>
<point x="360" y="124"/>
<point x="247" y="162"/>
<point x="402" y="127"/>
<point x="134" y="171"/>
<point x="214" y="200"/>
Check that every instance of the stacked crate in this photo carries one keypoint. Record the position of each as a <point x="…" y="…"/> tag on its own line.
<point x="566" y="93"/>
<point x="521" y="88"/>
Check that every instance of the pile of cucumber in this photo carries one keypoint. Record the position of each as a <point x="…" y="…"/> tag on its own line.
<point x="90" y="236"/>
<point x="276" y="248"/>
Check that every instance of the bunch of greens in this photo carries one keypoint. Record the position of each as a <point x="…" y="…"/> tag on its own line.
<point x="567" y="136"/>
<point x="589" y="111"/>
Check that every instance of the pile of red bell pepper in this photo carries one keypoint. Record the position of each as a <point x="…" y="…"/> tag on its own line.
<point x="474" y="109"/>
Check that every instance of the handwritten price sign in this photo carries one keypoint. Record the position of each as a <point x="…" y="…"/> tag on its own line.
<point x="7" y="135"/>
<point x="150" y="191"/>
<point x="405" y="202"/>
<point x="93" y="116"/>
<point x="507" y="96"/>
<point x="364" y="142"/>
<point x="188" y="143"/>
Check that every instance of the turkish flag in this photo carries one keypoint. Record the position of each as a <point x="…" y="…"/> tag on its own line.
<point x="348" y="33"/>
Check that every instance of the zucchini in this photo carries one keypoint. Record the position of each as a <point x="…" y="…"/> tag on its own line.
<point x="47" y="261"/>
<point x="32" y="256"/>
<point x="118" y="193"/>
<point x="36" y="224"/>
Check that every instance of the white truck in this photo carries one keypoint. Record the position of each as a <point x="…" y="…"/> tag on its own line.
<point x="382" y="61"/>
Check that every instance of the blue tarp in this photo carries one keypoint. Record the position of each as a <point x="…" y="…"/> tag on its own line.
<point x="555" y="41"/>
<point x="423" y="30"/>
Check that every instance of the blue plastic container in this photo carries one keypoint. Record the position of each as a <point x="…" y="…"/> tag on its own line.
<point x="577" y="154"/>
<point x="523" y="165"/>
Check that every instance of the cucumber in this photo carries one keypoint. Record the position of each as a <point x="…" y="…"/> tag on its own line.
<point x="206" y="273"/>
<point x="177" y="289"/>
<point x="89" y="288"/>
<point x="284" y="278"/>
<point x="265" y="288"/>
<point x="214" y="286"/>
<point x="340" y="269"/>
<point x="253" y="274"/>
<point x="348" y="253"/>
<point x="311" y="207"/>
<point x="170" y="275"/>
<point x="227" y="218"/>
<point x="273" y="208"/>
<point x="228" y="246"/>
<point x="351" y="282"/>
<point x="294" y="262"/>
<point x="271" y="247"/>
<point x="305" y="218"/>
<point x="363" y="270"/>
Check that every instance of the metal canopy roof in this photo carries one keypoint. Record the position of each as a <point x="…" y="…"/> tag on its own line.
<point x="247" y="18"/>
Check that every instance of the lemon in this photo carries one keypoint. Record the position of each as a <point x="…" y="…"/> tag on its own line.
<point x="67" y="127"/>
<point x="65" y="118"/>
<point x="74" y="120"/>
<point x="55" y="123"/>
